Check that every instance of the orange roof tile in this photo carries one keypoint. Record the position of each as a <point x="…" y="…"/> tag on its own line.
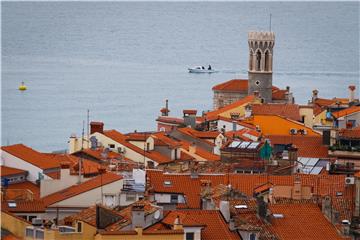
<point x="291" y="111"/>
<point x="195" y="134"/>
<point x="190" y="111"/>
<point x="234" y="85"/>
<point x="26" y="186"/>
<point x="322" y="185"/>
<point x="308" y="146"/>
<point x="35" y="206"/>
<point x="307" y="219"/>
<point x="322" y="102"/>
<point x="8" y="171"/>
<point x="120" y="138"/>
<point x="279" y="94"/>
<point x="214" y="114"/>
<point x="171" y="120"/>
<point x="164" y="139"/>
<point x="277" y="125"/>
<point x="31" y="156"/>
<point x="346" y="112"/>
<point x="214" y="225"/>
<point x="350" y="133"/>
<point x="72" y="191"/>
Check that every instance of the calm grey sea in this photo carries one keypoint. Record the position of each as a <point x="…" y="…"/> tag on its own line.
<point x="121" y="60"/>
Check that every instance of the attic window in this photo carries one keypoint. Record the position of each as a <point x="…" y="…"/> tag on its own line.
<point x="167" y="183"/>
<point x="12" y="204"/>
<point x="278" y="215"/>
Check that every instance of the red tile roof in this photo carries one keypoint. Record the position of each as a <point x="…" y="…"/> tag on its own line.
<point x="353" y="133"/>
<point x="8" y="171"/>
<point x="190" y="111"/>
<point x="234" y="85"/>
<point x="279" y="94"/>
<point x="201" y="152"/>
<point x="191" y="187"/>
<point x="302" y="222"/>
<point x="214" y="114"/>
<point x="163" y="139"/>
<point x="75" y="190"/>
<point x="308" y="146"/>
<point x="346" y="112"/>
<point x="31" y="156"/>
<point x="322" y="102"/>
<point x="291" y="111"/>
<point x="120" y="138"/>
<point x="214" y="225"/>
<point x="36" y="206"/>
<point x="26" y="186"/>
<point x="171" y="120"/>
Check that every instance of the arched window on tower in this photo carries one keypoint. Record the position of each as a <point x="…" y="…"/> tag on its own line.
<point x="258" y="60"/>
<point x="251" y="56"/>
<point x="267" y="61"/>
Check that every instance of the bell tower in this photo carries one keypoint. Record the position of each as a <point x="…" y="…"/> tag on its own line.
<point x="261" y="46"/>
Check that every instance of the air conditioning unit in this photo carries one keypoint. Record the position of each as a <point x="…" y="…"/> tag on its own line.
<point x="349" y="180"/>
<point x="293" y="131"/>
<point x="37" y="222"/>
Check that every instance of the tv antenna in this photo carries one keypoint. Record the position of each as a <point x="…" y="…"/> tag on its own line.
<point x="270" y="23"/>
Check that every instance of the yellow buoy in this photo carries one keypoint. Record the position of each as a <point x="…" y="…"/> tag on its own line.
<point x="22" y="87"/>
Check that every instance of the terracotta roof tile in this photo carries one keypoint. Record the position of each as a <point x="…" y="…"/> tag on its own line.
<point x="163" y="139"/>
<point x="353" y="133"/>
<point x="346" y="112"/>
<point x="279" y="94"/>
<point x="31" y="156"/>
<point x="234" y="85"/>
<point x="308" y="146"/>
<point x="171" y="120"/>
<point x="291" y="111"/>
<point x="8" y="171"/>
<point x="322" y="102"/>
<point x="307" y="219"/>
<point x="120" y="138"/>
<point x="72" y="191"/>
<point x="25" y="206"/>
<point x="26" y="187"/>
<point x="277" y="125"/>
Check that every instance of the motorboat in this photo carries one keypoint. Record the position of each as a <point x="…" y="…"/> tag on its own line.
<point x="201" y="69"/>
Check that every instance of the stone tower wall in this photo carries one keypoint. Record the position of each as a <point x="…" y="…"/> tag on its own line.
<point x="261" y="63"/>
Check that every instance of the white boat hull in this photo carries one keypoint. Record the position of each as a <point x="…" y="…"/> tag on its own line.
<point x="194" y="70"/>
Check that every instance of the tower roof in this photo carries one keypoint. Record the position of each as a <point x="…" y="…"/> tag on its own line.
<point x="262" y="36"/>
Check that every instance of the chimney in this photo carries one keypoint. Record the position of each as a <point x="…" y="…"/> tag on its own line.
<point x="225" y="210"/>
<point x="192" y="148"/>
<point x="345" y="227"/>
<point x="234" y="126"/>
<point x="138" y="215"/>
<point x="190" y="118"/>
<point x="314" y="95"/>
<point x="73" y="142"/>
<point x="96" y="127"/>
<point x="177" y="224"/>
<point x="262" y="208"/>
<point x="326" y="207"/>
<point x="293" y="154"/>
<point x="64" y="169"/>
<point x="352" y="93"/>
<point x="248" y="111"/>
<point x="296" y="193"/>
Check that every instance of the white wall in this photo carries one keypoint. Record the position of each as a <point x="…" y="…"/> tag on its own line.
<point x="228" y="126"/>
<point x="93" y="196"/>
<point x="166" y="198"/>
<point x="11" y="161"/>
<point x="66" y="180"/>
<point x="129" y="153"/>
<point x="124" y="202"/>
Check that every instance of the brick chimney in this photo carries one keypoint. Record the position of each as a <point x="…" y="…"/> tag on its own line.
<point x="96" y="127"/>
<point x="177" y="224"/>
<point x="190" y="117"/>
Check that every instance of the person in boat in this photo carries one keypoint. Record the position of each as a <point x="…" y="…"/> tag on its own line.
<point x="202" y="67"/>
<point x="209" y="68"/>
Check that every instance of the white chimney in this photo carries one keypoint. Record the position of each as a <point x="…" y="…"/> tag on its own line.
<point x="225" y="210"/>
<point x="352" y="93"/>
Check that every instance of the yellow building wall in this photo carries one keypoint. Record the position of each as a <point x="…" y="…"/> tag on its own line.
<point x="308" y="114"/>
<point x="88" y="232"/>
<point x="14" y="225"/>
<point x="320" y="119"/>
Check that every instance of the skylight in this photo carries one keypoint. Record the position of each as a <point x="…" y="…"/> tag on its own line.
<point x="167" y="183"/>
<point x="278" y="215"/>
<point x="12" y="204"/>
<point x="241" y="206"/>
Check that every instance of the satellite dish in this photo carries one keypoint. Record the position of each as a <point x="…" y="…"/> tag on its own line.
<point x="157" y="214"/>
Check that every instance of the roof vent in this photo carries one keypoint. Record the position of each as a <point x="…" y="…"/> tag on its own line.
<point x="278" y="215"/>
<point x="241" y="206"/>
